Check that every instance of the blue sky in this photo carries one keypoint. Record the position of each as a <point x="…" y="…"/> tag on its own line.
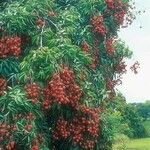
<point x="136" y="88"/>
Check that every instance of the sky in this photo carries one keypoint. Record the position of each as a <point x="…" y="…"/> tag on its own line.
<point x="136" y="88"/>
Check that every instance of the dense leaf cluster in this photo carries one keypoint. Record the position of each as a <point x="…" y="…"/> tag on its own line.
<point x="80" y="35"/>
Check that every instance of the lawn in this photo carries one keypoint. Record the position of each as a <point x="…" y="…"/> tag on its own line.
<point x="140" y="144"/>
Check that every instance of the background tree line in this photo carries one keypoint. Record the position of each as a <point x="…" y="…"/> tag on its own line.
<point x="128" y="119"/>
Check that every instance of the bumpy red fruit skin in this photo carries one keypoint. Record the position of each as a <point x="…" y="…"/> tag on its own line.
<point x="119" y="17"/>
<point x="40" y="23"/>
<point x="98" y="25"/>
<point x="28" y="128"/>
<point x="85" y="47"/>
<point x="67" y="76"/>
<point x="119" y="11"/>
<point x="58" y="90"/>
<point x="109" y="47"/>
<point x="110" y="4"/>
<point x="6" y="132"/>
<point x="84" y="123"/>
<point x="3" y="86"/>
<point x="120" y="68"/>
<point x="10" y="146"/>
<point x="88" y="123"/>
<point x="62" y="90"/>
<point x="35" y="147"/>
<point x="10" y="46"/>
<point x="61" y="130"/>
<point x="33" y="92"/>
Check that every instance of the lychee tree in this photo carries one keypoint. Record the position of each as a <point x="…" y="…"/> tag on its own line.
<point x="60" y="61"/>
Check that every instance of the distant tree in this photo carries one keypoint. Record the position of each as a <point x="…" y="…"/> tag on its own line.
<point x="134" y="121"/>
<point x="115" y="114"/>
<point x="144" y="110"/>
<point x="119" y="103"/>
<point x="125" y="118"/>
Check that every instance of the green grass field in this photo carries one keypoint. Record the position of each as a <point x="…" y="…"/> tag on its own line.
<point x="140" y="144"/>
